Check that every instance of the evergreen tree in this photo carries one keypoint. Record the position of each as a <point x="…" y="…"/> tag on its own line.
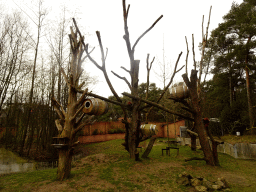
<point x="234" y="42"/>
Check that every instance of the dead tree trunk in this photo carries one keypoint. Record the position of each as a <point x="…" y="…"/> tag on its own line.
<point x="70" y="121"/>
<point x="199" y="126"/>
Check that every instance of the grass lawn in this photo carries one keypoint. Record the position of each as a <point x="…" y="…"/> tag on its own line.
<point x="109" y="168"/>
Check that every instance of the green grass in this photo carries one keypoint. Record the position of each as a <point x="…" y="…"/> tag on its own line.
<point x="239" y="139"/>
<point x="17" y="180"/>
<point x="119" y="172"/>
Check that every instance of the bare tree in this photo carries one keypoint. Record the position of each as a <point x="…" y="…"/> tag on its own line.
<point x="13" y="48"/>
<point x="70" y="120"/>
<point x="194" y="87"/>
<point x="41" y="14"/>
<point x="133" y="134"/>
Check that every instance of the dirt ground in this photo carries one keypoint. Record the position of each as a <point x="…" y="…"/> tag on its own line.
<point x="151" y="178"/>
<point x="107" y="171"/>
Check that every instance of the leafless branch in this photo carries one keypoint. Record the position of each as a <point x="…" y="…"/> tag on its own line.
<point x="158" y="106"/>
<point x="77" y="112"/>
<point x="204" y="41"/>
<point x="149" y="65"/>
<point x="81" y="85"/>
<point x="188" y="109"/>
<point x="105" y="99"/>
<point x="148" y="72"/>
<point x="80" y="119"/>
<point x="58" y="108"/>
<point x="126" y="36"/>
<point x="103" y="67"/>
<point x="101" y="49"/>
<point x="87" y="121"/>
<point x="82" y="98"/>
<point x="187" y="56"/>
<point x="106" y="54"/>
<point x="193" y="52"/>
<point x="87" y="55"/>
<point x="77" y="29"/>
<point x="133" y="48"/>
<point x="174" y="73"/>
<point x="92" y="60"/>
<point x="123" y="78"/>
<point x="126" y="70"/>
<point x="64" y="75"/>
<point x="166" y="88"/>
<point x="208" y="64"/>
<point x="127" y="12"/>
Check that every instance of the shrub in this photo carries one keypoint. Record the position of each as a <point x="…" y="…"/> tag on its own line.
<point x="116" y="130"/>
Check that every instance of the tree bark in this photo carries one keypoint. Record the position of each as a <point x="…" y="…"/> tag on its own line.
<point x="199" y="126"/>
<point x="149" y="147"/>
<point x="249" y="98"/>
<point x="64" y="164"/>
<point x="135" y="122"/>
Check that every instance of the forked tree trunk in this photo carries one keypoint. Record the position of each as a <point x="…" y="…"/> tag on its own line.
<point x="198" y="119"/>
<point x="70" y="122"/>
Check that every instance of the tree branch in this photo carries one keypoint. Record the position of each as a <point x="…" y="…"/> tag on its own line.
<point x="64" y="75"/>
<point x="108" y="100"/>
<point x="82" y="98"/>
<point x="133" y="48"/>
<point x="193" y="49"/>
<point x="101" y="49"/>
<point x="158" y="106"/>
<point x="80" y="119"/>
<point x="103" y="67"/>
<point x="204" y="41"/>
<point x="77" y="112"/>
<point x="88" y="121"/>
<point x="123" y="78"/>
<point x="187" y="56"/>
<point x="166" y="88"/>
<point x="126" y="36"/>
<point x="57" y="105"/>
<point x="87" y="55"/>
<point x="92" y="60"/>
<point x="126" y="70"/>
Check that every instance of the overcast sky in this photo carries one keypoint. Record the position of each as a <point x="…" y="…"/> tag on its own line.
<point x="180" y="18"/>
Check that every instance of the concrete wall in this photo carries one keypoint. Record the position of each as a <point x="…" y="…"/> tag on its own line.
<point x="238" y="150"/>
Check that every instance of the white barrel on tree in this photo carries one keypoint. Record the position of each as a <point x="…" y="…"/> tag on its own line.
<point x="179" y="91"/>
<point x="148" y="129"/>
<point x="95" y="106"/>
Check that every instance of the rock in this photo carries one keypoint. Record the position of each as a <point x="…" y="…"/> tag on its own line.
<point x="184" y="173"/>
<point x="227" y="189"/>
<point x="226" y="185"/>
<point x="207" y="184"/>
<point x="195" y="182"/>
<point x="216" y="187"/>
<point x="220" y="183"/>
<point x="200" y="188"/>
<point x="183" y="181"/>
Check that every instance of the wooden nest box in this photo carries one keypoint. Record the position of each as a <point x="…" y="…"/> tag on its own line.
<point x="60" y="142"/>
